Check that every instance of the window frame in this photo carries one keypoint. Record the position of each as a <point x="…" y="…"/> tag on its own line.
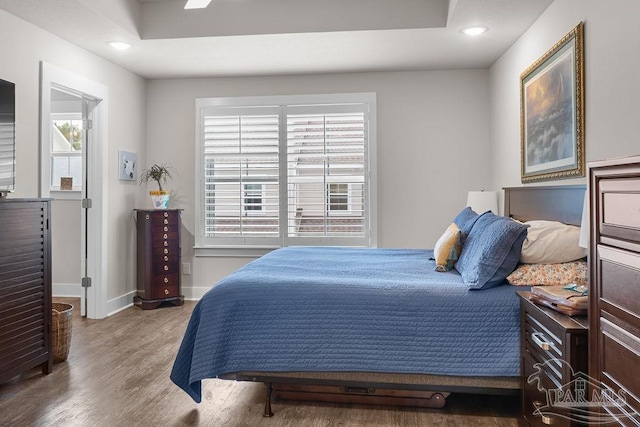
<point x="252" y="247"/>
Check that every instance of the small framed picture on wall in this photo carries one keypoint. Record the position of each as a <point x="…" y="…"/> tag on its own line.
<point x="128" y="166"/>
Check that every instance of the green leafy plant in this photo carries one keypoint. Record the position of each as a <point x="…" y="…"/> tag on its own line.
<point x="158" y="173"/>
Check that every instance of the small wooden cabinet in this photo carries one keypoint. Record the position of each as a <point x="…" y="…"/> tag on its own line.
<point x="554" y="357"/>
<point x="614" y="313"/>
<point x="158" y="258"/>
<point x="25" y="286"/>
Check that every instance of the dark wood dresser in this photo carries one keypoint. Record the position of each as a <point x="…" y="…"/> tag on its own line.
<point x="554" y="350"/>
<point x="614" y="312"/>
<point x="158" y="258"/>
<point x="25" y="286"/>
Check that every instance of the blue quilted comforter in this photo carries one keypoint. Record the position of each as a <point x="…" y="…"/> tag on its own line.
<point x="341" y="309"/>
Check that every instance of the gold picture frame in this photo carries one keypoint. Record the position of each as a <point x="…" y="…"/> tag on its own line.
<point x="552" y="112"/>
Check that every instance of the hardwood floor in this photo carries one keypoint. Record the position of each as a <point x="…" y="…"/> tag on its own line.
<point x="117" y="374"/>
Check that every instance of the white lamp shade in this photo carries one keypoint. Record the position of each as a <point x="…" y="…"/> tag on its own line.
<point x="482" y="201"/>
<point x="584" y="225"/>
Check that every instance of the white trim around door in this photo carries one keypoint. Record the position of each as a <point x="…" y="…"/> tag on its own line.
<point x="96" y="229"/>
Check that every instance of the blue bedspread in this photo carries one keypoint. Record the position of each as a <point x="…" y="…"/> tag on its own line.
<point x="341" y="309"/>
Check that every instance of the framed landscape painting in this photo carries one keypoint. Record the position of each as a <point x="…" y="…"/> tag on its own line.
<point x="552" y="112"/>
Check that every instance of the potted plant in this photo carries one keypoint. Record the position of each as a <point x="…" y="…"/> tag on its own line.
<point x="160" y="173"/>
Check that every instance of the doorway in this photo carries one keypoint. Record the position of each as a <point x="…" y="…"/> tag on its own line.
<point x="73" y="123"/>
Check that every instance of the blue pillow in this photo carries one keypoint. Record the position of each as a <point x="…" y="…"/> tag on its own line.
<point x="465" y="220"/>
<point x="491" y="251"/>
<point x="465" y="215"/>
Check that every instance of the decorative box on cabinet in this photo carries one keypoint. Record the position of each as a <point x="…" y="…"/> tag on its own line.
<point x="25" y="286"/>
<point x="158" y="258"/>
<point x="614" y="312"/>
<point x="553" y="349"/>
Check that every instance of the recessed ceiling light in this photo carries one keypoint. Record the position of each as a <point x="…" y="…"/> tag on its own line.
<point x="120" y="45"/>
<point x="197" y="4"/>
<point x="474" y="31"/>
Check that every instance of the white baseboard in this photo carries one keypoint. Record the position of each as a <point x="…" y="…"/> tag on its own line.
<point x="69" y="290"/>
<point x="120" y="303"/>
<point x="73" y="290"/>
<point x="194" y="293"/>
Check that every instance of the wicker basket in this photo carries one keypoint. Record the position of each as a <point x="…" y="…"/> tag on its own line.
<point x="62" y="316"/>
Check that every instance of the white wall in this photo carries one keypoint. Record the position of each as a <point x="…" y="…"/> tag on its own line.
<point x="22" y="47"/>
<point x="433" y="145"/>
<point x="65" y="247"/>
<point x="437" y="130"/>
<point x="612" y="87"/>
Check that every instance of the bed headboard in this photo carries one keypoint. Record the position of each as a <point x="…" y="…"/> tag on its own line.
<point x="554" y="203"/>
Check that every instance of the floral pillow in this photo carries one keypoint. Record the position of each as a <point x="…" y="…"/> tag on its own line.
<point x="549" y="274"/>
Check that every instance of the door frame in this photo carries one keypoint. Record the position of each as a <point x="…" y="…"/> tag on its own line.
<point x="96" y="233"/>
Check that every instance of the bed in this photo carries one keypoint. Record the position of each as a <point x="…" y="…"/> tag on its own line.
<point x="364" y="325"/>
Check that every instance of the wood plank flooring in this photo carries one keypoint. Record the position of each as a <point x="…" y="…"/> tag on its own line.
<point x="117" y="374"/>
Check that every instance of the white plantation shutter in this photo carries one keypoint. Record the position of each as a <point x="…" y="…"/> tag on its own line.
<point x="7" y="135"/>
<point x="6" y="154"/>
<point x="240" y="154"/>
<point x="291" y="172"/>
<point x="326" y="156"/>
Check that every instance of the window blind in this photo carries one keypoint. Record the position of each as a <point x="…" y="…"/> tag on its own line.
<point x="326" y="173"/>
<point x="241" y="173"/>
<point x="286" y="173"/>
<point x="6" y="155"/>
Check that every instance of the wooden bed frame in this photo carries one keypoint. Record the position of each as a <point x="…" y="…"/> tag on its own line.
<point x="559" y="203"/>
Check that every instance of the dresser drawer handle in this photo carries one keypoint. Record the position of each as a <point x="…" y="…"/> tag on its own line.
<point x="545" y="419"/>
<point x="165" y="236"/>
<point x="166" y="251"/>
<point x="166" y="221"/>
<point x="166" y="243"/>
<point x="166" y="291"/>
<point x="166" y="228"/>
<point x="166" y="258"/>
<point x="166" y="280"/>
<point x="166" y="268"/>
<point x="545" y="345"/>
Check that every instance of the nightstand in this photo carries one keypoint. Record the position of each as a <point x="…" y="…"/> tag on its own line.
<point x="553" y="348"/>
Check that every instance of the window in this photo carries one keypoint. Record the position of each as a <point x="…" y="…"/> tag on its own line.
<point x="279" y="171"/>
<point x="338" y="197"/>
<point x="240" y="155"/>
<point x="252" y="197"/>
<point x="64" y="130"/>
<point x="66" y="149"/>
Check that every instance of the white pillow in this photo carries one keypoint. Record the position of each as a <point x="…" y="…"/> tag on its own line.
<point x="551" y="242"/>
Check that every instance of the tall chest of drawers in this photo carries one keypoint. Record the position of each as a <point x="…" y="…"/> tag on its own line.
<point x="614" y="312"/>
<point x="158" y="258"/>
<point x="25" y="286"/>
